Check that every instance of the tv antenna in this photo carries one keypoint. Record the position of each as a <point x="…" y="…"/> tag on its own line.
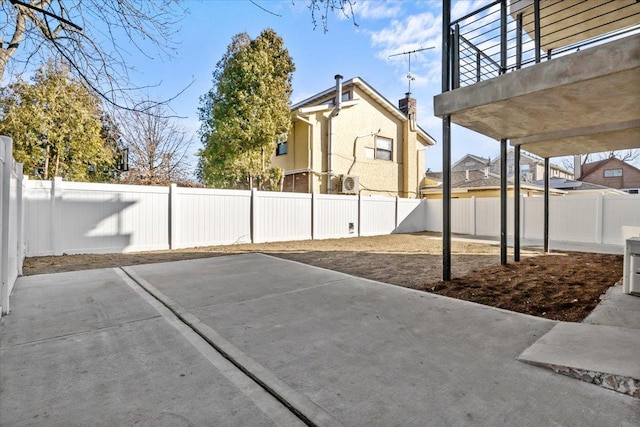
<point x="410" y="76"/>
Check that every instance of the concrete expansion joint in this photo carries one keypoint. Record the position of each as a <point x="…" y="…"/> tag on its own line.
<point x="305" y="410"/>
<point x="78" y="333"/>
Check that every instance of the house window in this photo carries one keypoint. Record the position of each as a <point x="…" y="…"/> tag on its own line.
<point x="384" y="148"/>
<point x="469" y="164"/>
<point x="346" y="96"/>
<point x="611" y="173"/>
<point x="281" y="148"/>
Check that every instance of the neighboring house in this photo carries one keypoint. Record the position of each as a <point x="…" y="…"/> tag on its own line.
<point x="349" y="139"/>
<point x="471" y="162"/>
<point x="613" y="173"/>
<point x="578" y="188"/>
<point x="476" y="183"/>
<point x="531" y="167"/>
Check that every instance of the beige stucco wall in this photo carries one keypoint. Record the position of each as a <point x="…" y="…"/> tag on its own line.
<point x="353" y="127"/>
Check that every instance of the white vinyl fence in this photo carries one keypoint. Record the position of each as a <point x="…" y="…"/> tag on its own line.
<point x="11" y="216"/>
<point x="597" y="218"/>
<point x="71" y="217"/>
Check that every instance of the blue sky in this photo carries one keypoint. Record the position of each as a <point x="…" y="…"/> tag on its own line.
<point x="384" y="28"/>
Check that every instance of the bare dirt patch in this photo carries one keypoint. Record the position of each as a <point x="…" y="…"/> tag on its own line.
<point x="558" y="286"/>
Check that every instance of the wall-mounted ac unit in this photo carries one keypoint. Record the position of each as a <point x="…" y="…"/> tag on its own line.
<point x="349" y="184"/>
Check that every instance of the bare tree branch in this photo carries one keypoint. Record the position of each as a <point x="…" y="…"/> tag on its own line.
<point x="264" y="9"/>
<point x="91" y="36"/>
<point x="158" y="146"/>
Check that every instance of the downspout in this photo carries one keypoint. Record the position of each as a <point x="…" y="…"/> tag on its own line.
<point x="309" y="152"/>
<point x="332" y="116"/>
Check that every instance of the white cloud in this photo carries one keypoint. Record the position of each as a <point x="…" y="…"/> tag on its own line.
<point x="416" y="30"/>
<point x="375" y="9"/>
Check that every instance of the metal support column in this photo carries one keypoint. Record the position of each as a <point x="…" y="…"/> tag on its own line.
<point x="503" y="201"/>
<point x="536" y="26"/>
<point x="516" y="204"/>
<point x="503" y="36"/>
<point x="519" y="41"/>
<point x="446" y="144"/>
<point x="455" y="58"/>
<point x="546" y="204"/>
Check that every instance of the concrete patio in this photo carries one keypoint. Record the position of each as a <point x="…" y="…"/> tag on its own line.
<point x="255" y="340"/>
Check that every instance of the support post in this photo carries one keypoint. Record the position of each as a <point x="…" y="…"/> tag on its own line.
<point x="503" y="201"/>
<point x="503" y="36"/>
<point x="519" y="41"/>
<point x="455" y="49"/>
<point x="516" y="204"/>
<point x="536" y="25"/>
<point x="546" y="205"/>
<point x="446" y="146"/>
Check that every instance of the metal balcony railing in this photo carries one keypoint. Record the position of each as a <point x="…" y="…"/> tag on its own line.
<point x="507" y="35"/>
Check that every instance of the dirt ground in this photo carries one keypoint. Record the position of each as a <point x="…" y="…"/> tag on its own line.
<point x="559" y="286"/>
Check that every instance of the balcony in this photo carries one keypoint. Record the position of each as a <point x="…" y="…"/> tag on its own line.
<point x="554" y="77"/>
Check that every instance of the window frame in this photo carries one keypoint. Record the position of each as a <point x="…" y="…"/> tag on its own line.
<point x="279" y="146"/>
<point x="613" y="173"/>
<point x="377" y="149"/>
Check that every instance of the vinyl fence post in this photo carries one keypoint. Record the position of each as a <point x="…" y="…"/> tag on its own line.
<point x="395" y="229"/>
<point x="56" y="215"/>
<point x="313" y="216"/>
<point x="474" y="215"/>
<point x="20" y="219"/>
<point x="599" y="217"/>
<point x="254" y="215"/>
<point x="359" y="214"/>
<point x="5" y="198"/>
<point x="173" y="220"/>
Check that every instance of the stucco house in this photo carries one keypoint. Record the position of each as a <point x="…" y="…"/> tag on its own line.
<point x="531" y="167"/>
<point x="350" y="139"/>
<point x="613" y="173"/>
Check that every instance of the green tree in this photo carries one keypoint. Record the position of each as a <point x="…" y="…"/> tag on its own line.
<point x="56" y="127"/>
<point x="246" y="112"/>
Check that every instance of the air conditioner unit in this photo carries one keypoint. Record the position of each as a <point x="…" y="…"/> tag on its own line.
<point x="349" y="184"/>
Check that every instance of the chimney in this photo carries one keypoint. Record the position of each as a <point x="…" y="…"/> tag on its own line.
<point x="407" y="104"/>
<point x="338" y="78"/>
<point x="577" y="167"/>
<point x="466" y="175"/>
<point x="486" y="172"/>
